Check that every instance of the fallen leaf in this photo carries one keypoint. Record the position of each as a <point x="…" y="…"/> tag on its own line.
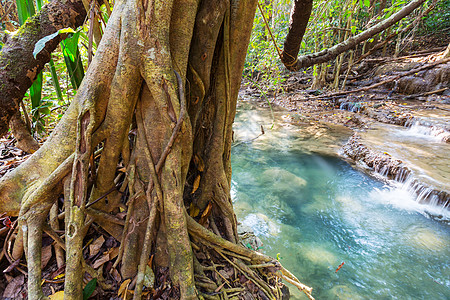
<point x="96" y="245"/>
<point x="102" y="260"/>
<point x="199" y="163"/>
<point x="194" y="210"/>
<point x="149" y="277"/>
<point x="13" y="289"/>
<point x="113" y="252"/>
<point x="89" y="288"/>
<point x="123" y="287"/>
<point x="339" y="267"/>
<point x="59" y="276"/>
<point x="57" y="296"/>
<point x="115" y="274"/>
<point x="46" y="255"/>
<point x="207" y="210"/>
<point x="196" y="184"/>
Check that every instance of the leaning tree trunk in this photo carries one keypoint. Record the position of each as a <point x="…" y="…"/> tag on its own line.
<point x="299" y="16"/>
<point x="149" y="132"/>
<point x="18" y="67"/>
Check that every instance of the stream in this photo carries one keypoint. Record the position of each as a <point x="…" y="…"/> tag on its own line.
<point x="315" y="212"/>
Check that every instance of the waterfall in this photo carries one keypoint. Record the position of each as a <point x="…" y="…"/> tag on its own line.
<point x="424" y="129"/>
<point x="386" y="167"/>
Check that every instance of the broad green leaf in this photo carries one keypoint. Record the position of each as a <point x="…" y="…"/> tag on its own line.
<point x="366" y="3"/>
<point x="39" y="4"/>
<point x="149" y="277"/>
<point x="89" y="288"/>
<point x="72" y="59"/>
<point x="40" y="45"/>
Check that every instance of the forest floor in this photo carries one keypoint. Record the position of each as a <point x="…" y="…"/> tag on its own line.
<point x="382" y="89"/>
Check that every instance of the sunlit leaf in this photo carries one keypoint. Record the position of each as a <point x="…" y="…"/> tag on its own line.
<point x="57" y="296"/>
<point x="196" y="184"/>
<point x="123" y="287"/>
<point x="194" y="210"/>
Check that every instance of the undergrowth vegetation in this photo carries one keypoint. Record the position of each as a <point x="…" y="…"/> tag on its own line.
<point x="332" y="22"/>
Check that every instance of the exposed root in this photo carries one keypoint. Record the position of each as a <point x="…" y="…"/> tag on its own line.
<point x="127" y="167"/>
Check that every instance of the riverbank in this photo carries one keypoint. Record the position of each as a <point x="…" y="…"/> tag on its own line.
<point x="399" y="120"/>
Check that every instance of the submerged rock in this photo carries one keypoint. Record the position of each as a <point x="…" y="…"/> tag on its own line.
<point x="282" y="180"/>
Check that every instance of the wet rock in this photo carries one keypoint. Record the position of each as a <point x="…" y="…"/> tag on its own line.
<point x="383" y="164"/>
<point x="426" y="81"/>
<point x="282" y="180"/>
<point x="248" y="238"/>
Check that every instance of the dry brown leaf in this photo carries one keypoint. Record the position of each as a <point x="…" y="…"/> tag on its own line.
<point x="13" y="289"/>
<point x="103" y="259"/>
<point x="115" y="274"/>
<point x="123" y="287"/>
<point x="96" y="245"/>
<point x="113" y="252"/>
<point x="196" y="184"/>
<point x="46" y="255"/>
<point x="207" y="210"/>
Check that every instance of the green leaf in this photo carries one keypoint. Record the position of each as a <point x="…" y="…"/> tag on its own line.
<point x="39" y="4"/>
<point x="149" y="277"/>
<point x="89" y="288"/>
<point x="40" y="45"/>
<point x="36" y="92"/>
<point x="366" y="3"/>
<point x="72" y="59"/>
<point x="25" y="9"/>
<point x="55" y="79"/>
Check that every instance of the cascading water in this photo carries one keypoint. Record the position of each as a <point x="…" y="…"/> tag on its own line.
<point x="316" y="212"/>
<point x="422" y="129"/>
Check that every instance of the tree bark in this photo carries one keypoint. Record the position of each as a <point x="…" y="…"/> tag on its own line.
<point x="300" y="13"/>
<point x="331" y="53"/>
<point x="159" y="100"/>
<point x="18" y="67"/>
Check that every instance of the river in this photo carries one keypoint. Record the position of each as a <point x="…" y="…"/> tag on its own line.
<point x="315" y="212"/>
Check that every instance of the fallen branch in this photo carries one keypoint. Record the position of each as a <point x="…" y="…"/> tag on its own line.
<point x="442" y="61"/>
<point x="426" y="93"/>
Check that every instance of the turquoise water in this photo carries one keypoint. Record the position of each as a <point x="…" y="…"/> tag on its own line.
<point x="316" y="211"/>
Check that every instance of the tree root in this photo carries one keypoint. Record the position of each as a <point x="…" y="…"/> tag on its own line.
<point x="132" y="106"/>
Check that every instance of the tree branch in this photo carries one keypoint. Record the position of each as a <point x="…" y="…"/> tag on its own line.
<point x="331" y="53"/>
<point x="18" y="67"/>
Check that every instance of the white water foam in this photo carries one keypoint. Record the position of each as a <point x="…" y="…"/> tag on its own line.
<point x="419" y="129"/>
<point x="404" y="196"/>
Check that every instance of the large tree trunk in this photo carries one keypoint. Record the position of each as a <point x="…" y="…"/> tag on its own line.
<point x="159" y="99"/>
<point x="299" y="16"/>
<point x="18" y="67"/>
